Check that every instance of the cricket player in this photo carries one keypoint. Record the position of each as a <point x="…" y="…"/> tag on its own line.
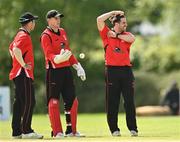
<point x="119" y="76"/>
<point x="21" y="50"/>
<point x="59" y="78"/>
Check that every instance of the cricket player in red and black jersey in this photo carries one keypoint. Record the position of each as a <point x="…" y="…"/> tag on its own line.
<point x="22" y="73"/>
<point x="119" y="75"/>
<point x="59" y="79"/>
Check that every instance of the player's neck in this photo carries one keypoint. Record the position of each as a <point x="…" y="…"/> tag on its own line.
<point x="26" y="29"/>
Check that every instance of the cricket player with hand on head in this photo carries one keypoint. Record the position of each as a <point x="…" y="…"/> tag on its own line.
<point x="119" y="75"/>
<point x="59" y="59"/>
<point x="22" y="73"/>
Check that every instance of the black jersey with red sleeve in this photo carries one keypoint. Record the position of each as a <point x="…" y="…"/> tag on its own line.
<point x="52" y="43"/>
<point x="116" y="50"/>
<point x="22" y="41"/>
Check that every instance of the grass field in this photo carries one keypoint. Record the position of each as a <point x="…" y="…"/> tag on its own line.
<point x="151" y="129"/>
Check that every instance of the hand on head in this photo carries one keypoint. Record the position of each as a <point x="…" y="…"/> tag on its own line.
<point x="114" y="14"/>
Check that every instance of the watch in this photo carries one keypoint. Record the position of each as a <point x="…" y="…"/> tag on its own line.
<point x="117" y="34"/>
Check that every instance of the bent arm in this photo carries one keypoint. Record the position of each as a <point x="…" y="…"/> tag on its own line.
<point x="102" y="18"/>
<point x="18" y="55"/>
<point x="128" y="38"/>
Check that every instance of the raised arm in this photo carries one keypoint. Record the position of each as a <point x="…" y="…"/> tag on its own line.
<point x="102" y="18"/>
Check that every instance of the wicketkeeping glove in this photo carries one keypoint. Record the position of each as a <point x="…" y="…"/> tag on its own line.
<point x="63" y="56"/>
<point x="80" y="71"/>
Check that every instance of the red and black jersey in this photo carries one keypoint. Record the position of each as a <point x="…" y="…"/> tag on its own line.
<point x="52" y="43"/>
<point x="116" y="50"/>
<point x="22" y="41"/>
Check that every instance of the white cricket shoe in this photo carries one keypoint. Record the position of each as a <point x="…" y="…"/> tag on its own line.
<point x="77" y="134"/>
<point x="32" y="135"/>
<point x="59" y="135"/>
<point x="116" y="133"/>
<point x="17" y="137"/>
<point x="70" y="135"/>
<point x="134" y="133"/>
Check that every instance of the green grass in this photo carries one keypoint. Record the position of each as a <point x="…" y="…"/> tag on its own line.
<point x="151" y="129"/>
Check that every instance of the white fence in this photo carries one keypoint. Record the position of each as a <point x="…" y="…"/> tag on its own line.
<point x="4" y="103"/>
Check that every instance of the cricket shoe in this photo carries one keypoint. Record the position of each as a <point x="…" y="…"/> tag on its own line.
<point x="17" y="137"/>
<point x="32" y="135"/>
<point x="116" y="133"/>
<point x="77" y="134"/>
<point x="134" y="133"/>
<point x="59" y="135"/>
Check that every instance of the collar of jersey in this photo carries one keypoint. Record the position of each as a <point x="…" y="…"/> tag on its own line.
<point x="24" y="30"/>
<point x="57" y="33"/>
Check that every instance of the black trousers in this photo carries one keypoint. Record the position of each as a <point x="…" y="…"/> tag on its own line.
<point x="60" y="81"/>
<point x="24" y="102"/>
<point x="120" y="80"/>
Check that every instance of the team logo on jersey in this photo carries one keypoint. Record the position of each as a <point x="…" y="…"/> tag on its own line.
<point x="118" y="50"/>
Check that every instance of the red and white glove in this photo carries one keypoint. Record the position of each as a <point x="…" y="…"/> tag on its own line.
<point x="80" y="71"/>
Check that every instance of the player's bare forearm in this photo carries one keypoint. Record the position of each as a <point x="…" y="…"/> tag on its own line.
<point x="102" y="18"/>
<point x="128" y="38"/>
<point x="18" y="55"/>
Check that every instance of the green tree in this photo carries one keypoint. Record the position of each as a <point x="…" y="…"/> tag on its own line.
<point x="80" y="24"/>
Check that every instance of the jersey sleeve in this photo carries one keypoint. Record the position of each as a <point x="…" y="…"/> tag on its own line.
<point x="103" y="35"/>
<point x="73" y="60"/>
<point x="20" y="42"/>
<point x="47" y="47"/>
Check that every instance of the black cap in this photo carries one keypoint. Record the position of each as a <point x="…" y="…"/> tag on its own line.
<point x="53" y="13"/>
<point x="27" y="17"/>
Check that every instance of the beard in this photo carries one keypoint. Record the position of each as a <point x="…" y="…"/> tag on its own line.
<point x="124" y="29"/>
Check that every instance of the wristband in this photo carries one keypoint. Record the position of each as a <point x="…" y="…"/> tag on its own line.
<point x="117" y="35"/>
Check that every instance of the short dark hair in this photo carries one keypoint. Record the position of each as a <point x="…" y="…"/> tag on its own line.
<point x="24" y="24"/>
<point x="117" y="18"/>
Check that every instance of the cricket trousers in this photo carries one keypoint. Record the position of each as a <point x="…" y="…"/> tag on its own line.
<point x="60" y="82"/>
<point x="120" y="80"/>
<point x="23" y="105"/>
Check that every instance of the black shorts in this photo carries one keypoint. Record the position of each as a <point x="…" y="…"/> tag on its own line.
<point x="60" y="81"/>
